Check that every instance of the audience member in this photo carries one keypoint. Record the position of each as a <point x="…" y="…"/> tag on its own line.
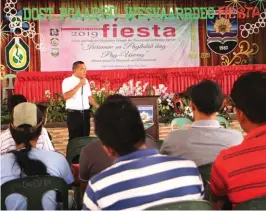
<point x="8" y="144"/>
<point x="44" y="110"/>
<point x="15" y="100"/>
<point x="139" y="177"/>
<point x="239" y="172"/>
<point x="26" y="160"/>
<point x="203" y="141"/>
<point x="93" y="159"/>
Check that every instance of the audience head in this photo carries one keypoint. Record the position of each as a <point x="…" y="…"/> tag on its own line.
<point x="79" y="69"/>
<point x="119" y="126"/>
<point x="206" y="99"/>
<point x="15" y="100"/>
<point x="187" y="92"/>
<point x="44" y="110"/>
<point x="249" y="97"/>
<point x="25" y="127"/>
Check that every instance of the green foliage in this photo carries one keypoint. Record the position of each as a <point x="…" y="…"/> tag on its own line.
<point x="56" y="108"/>
<point x="166" y="108"/>
<point x="5" y="116"/>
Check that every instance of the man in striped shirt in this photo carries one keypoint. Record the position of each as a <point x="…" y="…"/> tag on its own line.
<point x="140" y="177"/>
<point x="239" y="173"/>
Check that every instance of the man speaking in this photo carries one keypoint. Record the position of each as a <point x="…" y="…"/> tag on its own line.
<point x="78" y="96"/>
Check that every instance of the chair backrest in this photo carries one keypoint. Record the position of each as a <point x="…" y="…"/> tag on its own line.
<point x="180" y="122"/>
<point x="33" y="189"/>
<point x="205" y="171"/>
<point x="74" y="147"/>
<point x="10" y="80"/>
<point x="253" y="204"/>
<point x="150" y="137"/>
<point x="223" y="121"/>
<point x="184" y="205"/>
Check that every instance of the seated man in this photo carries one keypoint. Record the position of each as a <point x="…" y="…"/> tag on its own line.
<point x="26" y="160"/>
<point x="140" y="177"/>
<point x="203" y="141"/>
<point x="8" y="144"/>
<point x="44" y="110"/>
<point x="239" y="172"/>
<point x="93" y="159"/>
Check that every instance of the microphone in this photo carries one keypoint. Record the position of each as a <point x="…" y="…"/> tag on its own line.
<point x="82" y="90"/>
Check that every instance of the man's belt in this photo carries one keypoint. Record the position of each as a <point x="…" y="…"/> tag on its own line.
<point x="79" y="111"/>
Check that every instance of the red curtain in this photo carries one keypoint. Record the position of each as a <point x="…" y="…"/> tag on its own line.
<point x="33" y="85"/>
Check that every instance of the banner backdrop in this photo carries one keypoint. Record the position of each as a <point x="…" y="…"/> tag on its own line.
<point x="119" y="44"/>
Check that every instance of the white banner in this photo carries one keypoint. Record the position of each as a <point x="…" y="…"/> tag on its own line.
<point x="119" y="44"/>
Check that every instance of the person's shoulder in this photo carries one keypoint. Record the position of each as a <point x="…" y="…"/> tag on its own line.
<point x="7" y="156"/>
<point x="48" y="154"/>
<point x="7" y="159"/>
<point x="232" y="132"/>
<point x="176" y="159"/>
<point x="92" y="152"/>
<point x="68" y="79"/>
<point x="44" y="132"/>
<point x="92" y="145"/>
<point x="227" y="152"/>
<point x="179" y="135"/>
<point x="5" y="134"/>
<point x="234" y="136"/>
<point x="44" y="135"/>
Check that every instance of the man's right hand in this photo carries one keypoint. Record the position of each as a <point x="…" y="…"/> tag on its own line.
<point x="82" y="82"/>
<point x="70" y="93"/>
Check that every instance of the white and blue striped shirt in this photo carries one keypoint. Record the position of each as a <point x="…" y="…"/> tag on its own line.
<point x="143" y="179"/>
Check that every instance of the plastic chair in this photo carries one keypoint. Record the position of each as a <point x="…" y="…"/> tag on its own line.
<point x="180" y="122"/>
<point x="33" y="189"/>
<point x="10" y="80"/>
<point x="148" y="125"/>
<point x="253" y="204"/>
<point x="205" y="171"/>
<point x="223" y="121"/>
<point x="184" y="205"/>
<point x="159" y="143"/>
<point x="75" y="145"/>
<point x="10" y="88"/>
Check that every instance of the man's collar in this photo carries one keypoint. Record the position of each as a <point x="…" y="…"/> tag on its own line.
<point x="259" y="131"/>
<point x="74" y="77"/>
<point x="137" y="154"/>
<point x="206" y="123"/>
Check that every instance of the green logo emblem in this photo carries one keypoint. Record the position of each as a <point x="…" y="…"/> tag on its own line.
<point x="17" y="54"/>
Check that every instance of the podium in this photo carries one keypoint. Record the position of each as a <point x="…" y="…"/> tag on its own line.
<point x="148" y="107"/>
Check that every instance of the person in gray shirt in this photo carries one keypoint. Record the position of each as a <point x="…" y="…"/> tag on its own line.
<point x="204" y="140"/>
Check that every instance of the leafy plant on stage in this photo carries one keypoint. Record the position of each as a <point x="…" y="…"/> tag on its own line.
<point x="186" y="110"/>
<point x="166" y="108"/>
<point x="129" y="89"/>
<point x="100" y="94"/>
<point x="5" y="115"/>
<point x="56" y="107"/>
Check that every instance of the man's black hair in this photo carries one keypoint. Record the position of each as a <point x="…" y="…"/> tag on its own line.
<point x="249" y="96"/>
<point x="14" y="100"/>
<point x="207" y="96"/>
<point x="119" y="126"/>
<point x="75" y="64"/>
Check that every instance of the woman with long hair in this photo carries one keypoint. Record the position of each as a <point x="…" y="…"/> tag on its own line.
<point x="25" y="127"/>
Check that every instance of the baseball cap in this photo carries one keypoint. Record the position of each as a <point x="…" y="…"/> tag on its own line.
<point x="26" y="113"/>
